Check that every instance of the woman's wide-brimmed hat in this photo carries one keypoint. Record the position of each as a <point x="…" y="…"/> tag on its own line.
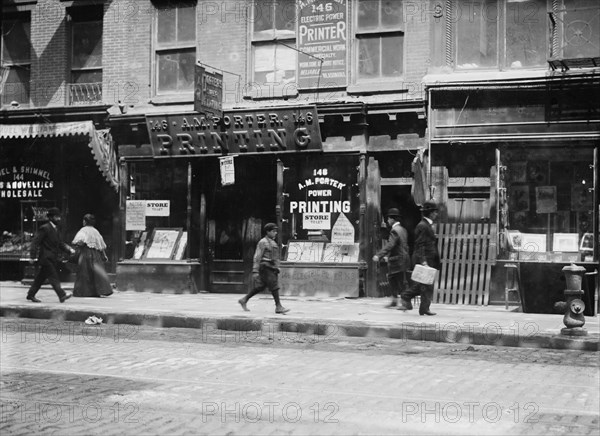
<point x="429" y="205"/>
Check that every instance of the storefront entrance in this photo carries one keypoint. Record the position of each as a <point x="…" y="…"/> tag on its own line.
<point x="236" y="215"/>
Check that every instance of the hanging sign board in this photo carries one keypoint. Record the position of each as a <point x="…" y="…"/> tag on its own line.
<point x="135" y="215"/>
<point x="227" y="170"/>
<point x="322" y="34"/>
<point x="208" y="92"/>
<point x="343" y="231"/>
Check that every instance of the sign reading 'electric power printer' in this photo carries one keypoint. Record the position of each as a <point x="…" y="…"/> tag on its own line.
<point x="289" y="129"/>
<point x="322" y="36"/>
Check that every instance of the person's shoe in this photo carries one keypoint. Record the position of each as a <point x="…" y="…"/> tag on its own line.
<point x="428" y="312"/>
<point x="405" y="305"/>
<point x="392" y="304"/>
<point x="243" y="304"/>
<point x="65" y="297"/>
<point x="34" y="300"/>
<point x="282" y="310"/>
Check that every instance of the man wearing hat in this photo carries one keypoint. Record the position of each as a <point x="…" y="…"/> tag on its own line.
<point x="396" y="250"/>
<point x="265" y="270"/>
<point x="46" y="247"/>
<point x="425" y="253"/>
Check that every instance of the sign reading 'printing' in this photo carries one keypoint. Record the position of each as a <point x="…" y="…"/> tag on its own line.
<point x="289" y="129"/>
<point x="322" y="34"/>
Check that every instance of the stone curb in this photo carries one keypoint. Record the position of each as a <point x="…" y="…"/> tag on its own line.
<point x="320" y="330"/>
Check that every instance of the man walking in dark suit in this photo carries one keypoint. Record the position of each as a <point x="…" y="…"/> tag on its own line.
<point x="425" y="253"/>
<point x="46" y="247"/>
<point x="396" y="250"/>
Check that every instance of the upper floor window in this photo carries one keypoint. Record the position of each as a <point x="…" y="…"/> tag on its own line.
<point x="380" y="39"/>
<point x="15" y="58"/>
<point x="86" y="55"/>
<point x="175" y="47"/>
<point x="273" y="33"/>
<point x="492" y="34"/>
<point x="576" y="29"/>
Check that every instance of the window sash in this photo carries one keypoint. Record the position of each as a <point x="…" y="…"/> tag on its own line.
<point x="274" y="63"/>
<point x="393" y="21"/>
<point x="381" y="65"/>
<point x="90" y="51"/>
<point x="17" y="86"/>
<point x="16" y="41"/>
<point x="169" y="62"/>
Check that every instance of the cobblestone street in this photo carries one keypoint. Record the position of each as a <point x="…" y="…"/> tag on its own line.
<point x="70" y="378"/>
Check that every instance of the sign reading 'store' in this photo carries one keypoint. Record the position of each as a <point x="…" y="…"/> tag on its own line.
<point x="289" y="129"/>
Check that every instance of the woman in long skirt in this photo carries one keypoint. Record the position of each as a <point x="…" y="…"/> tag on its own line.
<point x="91" y="280"/>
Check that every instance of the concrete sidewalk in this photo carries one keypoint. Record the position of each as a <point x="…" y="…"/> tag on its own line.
<point x="321" y="318"/>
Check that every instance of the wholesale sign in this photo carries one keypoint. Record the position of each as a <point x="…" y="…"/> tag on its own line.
<point x="322" y="34"/>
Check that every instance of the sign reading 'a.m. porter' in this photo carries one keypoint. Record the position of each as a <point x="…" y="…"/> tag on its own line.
<point x="322" y="36"/>
<point x="289" y="129"/>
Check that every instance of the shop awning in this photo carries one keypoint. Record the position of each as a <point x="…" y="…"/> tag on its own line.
<point x="100" y="142"/>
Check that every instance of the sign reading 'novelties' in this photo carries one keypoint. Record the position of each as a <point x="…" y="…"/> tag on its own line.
<point x="289" y="129"/>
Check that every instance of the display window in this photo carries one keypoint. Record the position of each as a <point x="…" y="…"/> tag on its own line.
<point x="547" y="204"/>
<point x="321" y="209"/>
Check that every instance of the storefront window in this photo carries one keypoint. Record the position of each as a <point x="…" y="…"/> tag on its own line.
<point x="321" y="210"/>
<point x="549" y="204"/>
<point x="156" y="212"/>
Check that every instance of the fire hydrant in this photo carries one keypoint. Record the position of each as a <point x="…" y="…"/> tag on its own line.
<point x="574" y="306"/>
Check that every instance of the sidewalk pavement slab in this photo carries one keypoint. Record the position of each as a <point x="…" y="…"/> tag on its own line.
<point x="324" y="318"/>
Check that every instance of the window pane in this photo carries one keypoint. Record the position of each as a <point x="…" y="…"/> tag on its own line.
<point x="176" y="70"/>
<point x="476" y="34"/>
<point x="368" y="14"/>
<point x="392" y="56"/>
<point x="16" y="87"/>
<point x="87" y="44"/>
<point x="582" y="29"/>
<point x="526" y="43"/>
<point x="186" y="24"/>
<point x="16" y="41"/>
<point x="285" y="16"/>
<point x="263" y="17"/>
<point x="274" y="63"/>
<point x="391" y="13"/>
<point x="86" y="76"/>
<point x="166" y="25"/>
<point x="368" y="57"/>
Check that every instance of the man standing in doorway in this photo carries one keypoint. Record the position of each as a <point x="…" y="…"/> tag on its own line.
<point x="265" y="270"/>
<point x="396" y="250"/>
<point x="425" y="253"/>
<point x="46" y="247"/>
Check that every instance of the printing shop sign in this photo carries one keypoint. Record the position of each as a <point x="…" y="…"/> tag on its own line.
<point x="320" y="192"/>
<point x="322" y="34"/>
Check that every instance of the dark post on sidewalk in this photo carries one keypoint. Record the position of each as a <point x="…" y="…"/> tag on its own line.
<point x="574" y="305"/>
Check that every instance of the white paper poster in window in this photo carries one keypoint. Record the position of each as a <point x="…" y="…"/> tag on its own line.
<point x="135" y="215"/>
<point x="322" y="37"/>
<point x="316" y="221"/>
<point x="343" y="231"/>
<point x="227" y="170"/>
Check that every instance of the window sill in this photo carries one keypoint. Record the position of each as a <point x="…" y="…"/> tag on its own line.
<point x="378" y="87"/>
<point x="172" y="99"/>
<point x="258" y="92"/>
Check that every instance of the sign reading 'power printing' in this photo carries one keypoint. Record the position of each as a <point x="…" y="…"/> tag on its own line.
<point x="322" y="34"/>
<point x="289" y="129"/>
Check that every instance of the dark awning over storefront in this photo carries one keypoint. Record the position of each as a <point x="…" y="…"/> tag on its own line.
<point x="99" y="142"/>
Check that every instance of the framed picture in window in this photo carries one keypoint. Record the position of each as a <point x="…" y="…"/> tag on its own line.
<point x="533" y="242"/>
<point x="162" y="243"/>
<point x="565" y="242"/>
<point x="518" y="198"/>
